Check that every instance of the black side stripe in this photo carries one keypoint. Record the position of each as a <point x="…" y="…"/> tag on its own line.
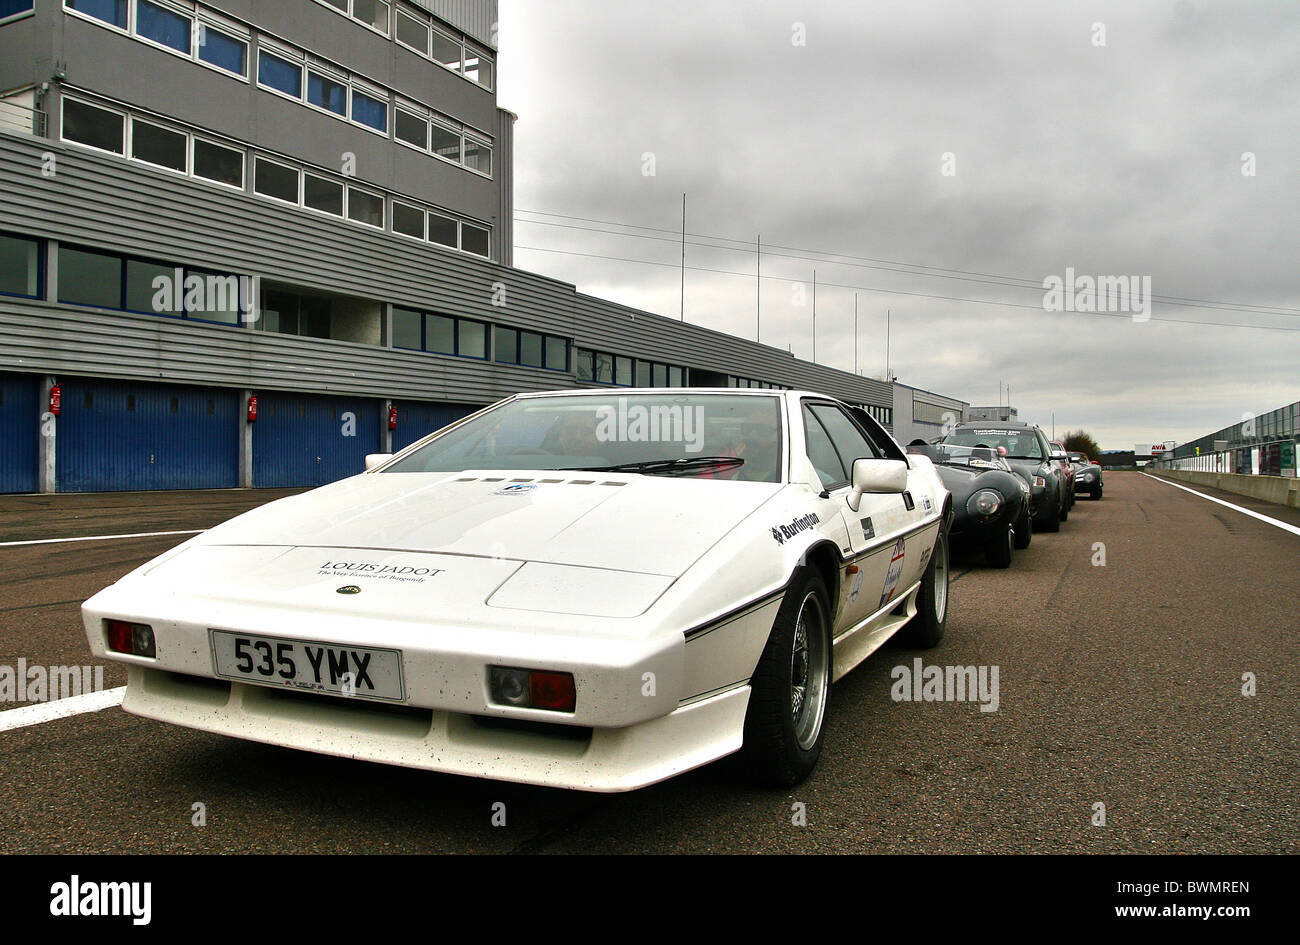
<point x="732" y="615"/>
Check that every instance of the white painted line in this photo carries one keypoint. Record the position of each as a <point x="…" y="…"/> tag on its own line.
<point x="55" y="541"/>
<point x="39" y="712"/>
<point x="1294" y="530"/>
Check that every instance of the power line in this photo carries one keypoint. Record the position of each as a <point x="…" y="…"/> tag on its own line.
<point x="885" y="291"/>
<point x="868" y="262"/>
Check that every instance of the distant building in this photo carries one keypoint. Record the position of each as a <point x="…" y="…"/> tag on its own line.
<point x="1261" y="445"/>
<point x="923" y="414"/>
<point x="1000" y="413"/>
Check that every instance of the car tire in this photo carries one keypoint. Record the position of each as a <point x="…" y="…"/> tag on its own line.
<point x="925" y="630"/>
<point x="790" y="690"/>
<point x="999" y="549"/>
<point x="1024" y="529"/>
<point x="1052" y="522"/>
<point x="1065" y="510"/>
<point x="1096" y="493"/>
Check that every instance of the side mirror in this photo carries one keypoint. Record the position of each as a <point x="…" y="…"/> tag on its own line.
<point x="376" y="459"/>
<point x="877" y="476"/>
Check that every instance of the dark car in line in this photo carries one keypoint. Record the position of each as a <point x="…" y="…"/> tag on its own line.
<point x="1087" y="476"/>
<point x="990" y="502"/>
<point x="1030" y="456"/>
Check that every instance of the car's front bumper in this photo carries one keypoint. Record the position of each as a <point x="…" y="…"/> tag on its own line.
<point x="588" y="759"/>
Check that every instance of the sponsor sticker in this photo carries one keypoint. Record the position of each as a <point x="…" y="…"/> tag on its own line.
<point x="868" y="530"/>
<point x="782" y="533"/>
<point x="895" y="572"/>
<point x="517" y="488"/>
<point x="927" y="504"/>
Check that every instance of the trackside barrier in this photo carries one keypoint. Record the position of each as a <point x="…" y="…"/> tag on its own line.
<point x="1277" y="489"/>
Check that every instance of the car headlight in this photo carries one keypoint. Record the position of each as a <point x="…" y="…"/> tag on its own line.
<point x="1086" y="477"/>
<point x="985" y="502"/>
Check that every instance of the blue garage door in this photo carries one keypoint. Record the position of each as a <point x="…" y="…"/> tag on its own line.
<point x="309" y="440"/>
<point x="416" y="419"/>
<point x="19" y="432"/>
<point x="128" y="436"/>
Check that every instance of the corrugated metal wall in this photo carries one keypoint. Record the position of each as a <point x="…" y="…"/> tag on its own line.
<point x="107" y="202"/>
<point x="19" y="432"/>
<point x="478" y="18"/>
<point x="115" y="435"/>
<point x="306" y="440"/>
<point x="416" y="419"/>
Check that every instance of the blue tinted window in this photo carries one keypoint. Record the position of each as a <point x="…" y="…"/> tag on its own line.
<point x="369" y="111"/>
<point x="10" y="7"/>
<point x="328" y="94"/>
<point x="110" y="11"/>
<point x="221" y="50"/>
<point x="162" y="26"/>
<point x="277" y="73"/>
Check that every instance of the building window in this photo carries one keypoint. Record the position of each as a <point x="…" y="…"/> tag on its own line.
<point x="275" y="180"/>
<point x="141" y="296"/>
<point x="477" y="67"/>
<point x="413" y="32"/>
<point x="604" y="368"/>
<point x="160" y="146"/>
<point x="474" y="239"/>
<point x="88" y="278"/>
<point x="369" y="111"/>
<point x="275" y="72"/>
<point x="446" y="50"/>
<point x="478" y="156"/>
<point x="20" y="267"/>
<point x="446" y="143"/>
<point x="10" y="8"/>
<point x="112" y="12"/>
<point x="676" y="376"/>
<point x="471" y="339"/>
<point x="364" y="207"/>
<point x="557" y="353"/>
<point x="642" y="373"/>
<point x="442" y="230"/>
<point x="530" y="349"/>
<point x="319" y="193"/>
<point x="222" y="50"/>
<point x="412" y="129"/>
<point x="324" y="92"/>
<point x="584" y="364"/>
<point x="93" y="126"/>
<point x="623" y="371"/>
<point x="406" y="329"/>
<point x="373" y="13"/>
<point x="162" y="26"/>
<point x="217" y="163"/>
<point x="440" y="334"/>
<point x="505" y="345"/>
<point x="409" y="221"/>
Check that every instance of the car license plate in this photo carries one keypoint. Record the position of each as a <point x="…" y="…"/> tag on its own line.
<point x="364" y="672"/>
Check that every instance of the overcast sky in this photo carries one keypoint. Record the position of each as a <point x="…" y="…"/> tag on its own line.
<point x="1000" y="139"/>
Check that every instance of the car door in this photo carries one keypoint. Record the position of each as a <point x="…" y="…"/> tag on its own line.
<point x="877" y="569"/>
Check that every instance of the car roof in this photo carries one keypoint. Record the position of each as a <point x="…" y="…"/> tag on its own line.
<point x="996" y="425"/>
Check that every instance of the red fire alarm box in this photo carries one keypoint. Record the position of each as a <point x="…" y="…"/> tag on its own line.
<point x="56" y="399"/>
<point x="252" y="409"/>
<point x="392" y="418"/>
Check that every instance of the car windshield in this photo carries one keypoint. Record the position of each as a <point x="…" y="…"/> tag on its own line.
<point x="711" y="436"/>
<point x="1019" y="444"/>
<point x="952" y="455"/>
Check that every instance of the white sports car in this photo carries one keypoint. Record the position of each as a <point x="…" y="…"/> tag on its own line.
<point x="593" y="589"/>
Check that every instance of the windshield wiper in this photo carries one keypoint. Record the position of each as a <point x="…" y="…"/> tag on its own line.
<point x="653" y="466"/>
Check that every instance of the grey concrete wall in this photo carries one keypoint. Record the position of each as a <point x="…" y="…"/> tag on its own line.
<point x="1276" y="489"/>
